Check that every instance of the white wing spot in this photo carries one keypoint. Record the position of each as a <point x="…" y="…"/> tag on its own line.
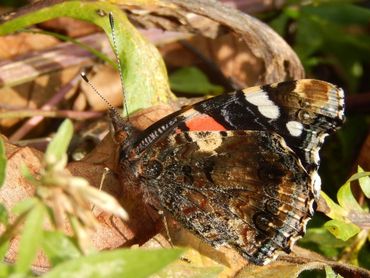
<point x="295" y="128"/>
<point x="316" y="182"/>
<point x="265" y="106"/>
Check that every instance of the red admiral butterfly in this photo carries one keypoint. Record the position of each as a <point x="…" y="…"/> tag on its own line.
<point x="239" y="169"/>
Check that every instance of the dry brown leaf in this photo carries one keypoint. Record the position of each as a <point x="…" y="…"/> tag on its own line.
<point x="21" y="43"/>
<point x="70" y="27"/>
<point x="278" y="270"/>
<point x="112" y="232"/>
<point x="34" y="94"/>
<point x="228" y="53"/>
<point x="212" y="19"/>
<point x="108" y="82"/>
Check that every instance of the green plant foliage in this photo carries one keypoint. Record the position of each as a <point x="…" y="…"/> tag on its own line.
<point x="57" y="148"/>
<point x="325" y="31"/>
<point x="3" y="249"/>
<point x="24" y="206"/>
<point x="31" y="238"/>
<point x="342" y="230"/>
<point x="59" y="247"/>
<point x="134" y="263"/>
<point x="364" y="182"/>
<point x="194" y="81"/>
<point x="346" y="199"/>
<point x="2" y="163"/>
<point x="329" y="272"/>
<point x="344" y="215"/>
<point x="346" y="235"/>
<point x="323" y="242"/>
<point x="138" y="58"/>
<point x="3" y="215"/>
<point x="92" y="50"/>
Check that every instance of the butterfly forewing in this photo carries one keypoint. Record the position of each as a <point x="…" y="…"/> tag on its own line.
<point x="240" y="169"/>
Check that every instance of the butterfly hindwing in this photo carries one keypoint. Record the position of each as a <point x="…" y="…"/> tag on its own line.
<point x="240" y="169"/>
<point x="243" y="189"/>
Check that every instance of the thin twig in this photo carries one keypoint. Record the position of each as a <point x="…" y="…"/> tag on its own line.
<point x="31" y="123"/>
<point x="26" y="113"/>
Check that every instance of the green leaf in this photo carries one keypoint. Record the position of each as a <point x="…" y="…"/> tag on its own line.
<point x="61" y="37"/>
<point x="3" y="250"/>
<point x="346" y="199"/>
<point x="31" y="238"/>
<point x="336" y="212"/>
<point x="322" y="241"/>
<point x="144" y="72"/>
<point x="2" y="163"/>
<point x="5" y="270"/>
<point x="329" y="272"/>
<point x="57" y="148"/>
<point x="3" y="215"/>
<point x="24" y="205"/>
<point x="192" y="80"/>
<point x="342" y="230"/>
<point x="28" y="175"/>
<point x="364" y="182"/>
<point x="118" y="263"/>
<point x="59" y="247"/>
<point x="341" y="14"/>
<point x="327" y="31"/>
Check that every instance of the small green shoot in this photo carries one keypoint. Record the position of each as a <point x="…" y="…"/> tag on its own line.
<point x="2" y="163"/>
<point x="134" y="263"/>
<point x="347" y="214"/>
<point x="194" y="81"/>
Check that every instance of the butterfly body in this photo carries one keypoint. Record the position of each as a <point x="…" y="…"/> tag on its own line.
<point x="240" y="169"/>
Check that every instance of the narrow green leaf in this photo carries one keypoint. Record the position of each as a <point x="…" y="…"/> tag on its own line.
<point x="336" y="212"/>
<point x="3" y="250"/>
<point x="342" y="230"/>
<point x="323" y="242"/>
<point x="30" y="239"/>
<point x="61" y="37"/>
<point x="346" y="199"/>
<point x="59" y="247"/>
<point x="118" y="263"/>
<point x="57" y="148"/>
<point x="5" y="270"/>
<point x="24" y="205"/>
<point x="3" y="215"/>
<point x="364" y="182"/>
<point x="28" y="175"/>
<point x="2" y="163"/>
<point x="144" y="72"/>
<point x="329" y="272"/>
<point x="358" y="175"/>
<point x="194" y="81"/>
<point x="321" y="236"/>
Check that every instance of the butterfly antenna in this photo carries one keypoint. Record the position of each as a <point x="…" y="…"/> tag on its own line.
<point x="84" y="77"/>
<point x="115" y="49"/>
